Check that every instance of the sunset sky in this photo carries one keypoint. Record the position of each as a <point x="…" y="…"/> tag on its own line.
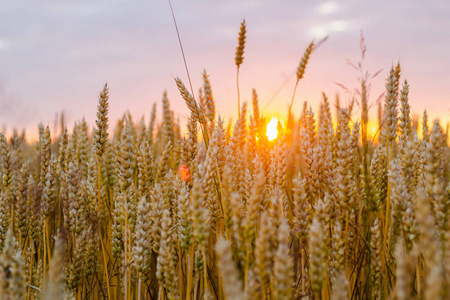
<point x="56" y="55"/>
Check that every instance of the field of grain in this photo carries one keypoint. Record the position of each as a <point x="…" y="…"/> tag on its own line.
<point x="322" y="211"/>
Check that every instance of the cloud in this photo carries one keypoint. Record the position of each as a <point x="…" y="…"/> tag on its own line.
<point x="14" y="111"/>
<point x="328" y="7"/>
<point x="4" y="44"/>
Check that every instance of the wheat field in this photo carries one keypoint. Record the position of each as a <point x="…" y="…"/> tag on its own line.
<point x="324" y="211"/>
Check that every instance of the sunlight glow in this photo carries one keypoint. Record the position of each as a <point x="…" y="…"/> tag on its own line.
<point x="272" y="131"/>
<point x="372" y="130"/>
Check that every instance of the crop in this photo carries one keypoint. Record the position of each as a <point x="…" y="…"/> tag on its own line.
<point x="321" y="212"/>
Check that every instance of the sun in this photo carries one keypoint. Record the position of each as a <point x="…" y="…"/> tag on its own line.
<point x="272" y="131"/>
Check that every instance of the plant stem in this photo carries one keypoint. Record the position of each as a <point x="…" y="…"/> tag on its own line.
<point x="105" y="266"/>
<point x="238" y="93"/>
<point x="292" y="102"/>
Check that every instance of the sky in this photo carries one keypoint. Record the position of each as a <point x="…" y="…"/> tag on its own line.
<point x="56" y="55"/>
